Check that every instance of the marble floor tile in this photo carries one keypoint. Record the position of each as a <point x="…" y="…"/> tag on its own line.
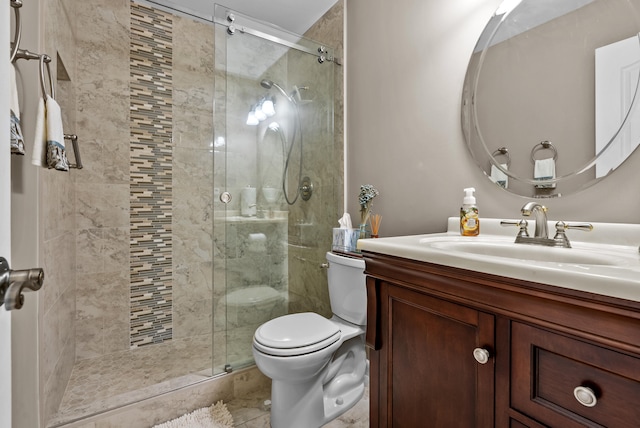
<point x="110" y="381"/>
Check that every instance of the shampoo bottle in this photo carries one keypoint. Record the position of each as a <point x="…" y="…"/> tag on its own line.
<point x="469" y="221"/>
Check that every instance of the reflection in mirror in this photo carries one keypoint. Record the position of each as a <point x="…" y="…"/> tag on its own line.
<point x="539" y="87"/>
<point x="617" y="67"/>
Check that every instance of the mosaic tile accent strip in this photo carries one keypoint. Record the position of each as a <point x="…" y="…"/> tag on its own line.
<point x="151" y="175"/>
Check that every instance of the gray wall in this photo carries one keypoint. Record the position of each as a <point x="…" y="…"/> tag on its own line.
<point x="406" y="63"/>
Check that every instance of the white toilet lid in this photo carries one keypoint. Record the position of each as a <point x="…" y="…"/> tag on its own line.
<point x="296" y="334"/>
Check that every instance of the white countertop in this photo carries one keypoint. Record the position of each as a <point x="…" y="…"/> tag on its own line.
<point x="614" y="243"/>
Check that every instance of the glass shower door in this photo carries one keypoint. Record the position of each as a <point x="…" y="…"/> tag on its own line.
<point x="275" y="158"/>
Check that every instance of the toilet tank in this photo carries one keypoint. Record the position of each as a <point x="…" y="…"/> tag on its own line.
<point x="347" y="288"/>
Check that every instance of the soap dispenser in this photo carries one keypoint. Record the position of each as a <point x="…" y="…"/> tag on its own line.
<point x="469" y="221"/>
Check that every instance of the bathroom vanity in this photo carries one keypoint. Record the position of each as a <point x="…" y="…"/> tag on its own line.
<point x="460" y="339"/>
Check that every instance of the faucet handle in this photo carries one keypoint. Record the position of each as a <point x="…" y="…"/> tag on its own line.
<point x="522" y="224"/>
<point x="561" y="227"/>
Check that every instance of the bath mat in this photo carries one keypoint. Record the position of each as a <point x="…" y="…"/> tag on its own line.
<point x="216" y="416"/>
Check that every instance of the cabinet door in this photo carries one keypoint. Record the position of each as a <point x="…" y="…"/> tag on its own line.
<point x="429" y="376"/>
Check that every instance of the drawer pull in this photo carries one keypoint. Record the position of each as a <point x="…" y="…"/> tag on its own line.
<point x="585" y="396"/>
<point x="481" y="355"/>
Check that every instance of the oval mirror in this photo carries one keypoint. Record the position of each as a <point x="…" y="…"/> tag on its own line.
<point x="549" y="100"/>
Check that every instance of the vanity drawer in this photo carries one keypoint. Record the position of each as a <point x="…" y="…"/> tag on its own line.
<point x="547" y="367"/>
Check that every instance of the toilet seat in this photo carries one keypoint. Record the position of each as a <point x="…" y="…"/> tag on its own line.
<point x="296" y="334"/>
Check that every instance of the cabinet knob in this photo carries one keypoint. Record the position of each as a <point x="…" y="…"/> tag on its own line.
<point x="585" y="396"/>
<point x="481" y="355"/>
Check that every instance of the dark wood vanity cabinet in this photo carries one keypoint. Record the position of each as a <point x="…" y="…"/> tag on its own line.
<point x="456" y="348"/>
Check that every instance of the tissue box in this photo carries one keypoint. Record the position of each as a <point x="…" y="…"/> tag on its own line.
<point x="345" y="239"/>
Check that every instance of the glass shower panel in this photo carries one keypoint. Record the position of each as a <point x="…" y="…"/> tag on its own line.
<point x="274" y="131"/>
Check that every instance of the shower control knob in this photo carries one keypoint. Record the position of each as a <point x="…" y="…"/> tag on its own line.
<point x="306" y="188"/>
<point x="231" y="17"/>
<point x="225" y="197"/>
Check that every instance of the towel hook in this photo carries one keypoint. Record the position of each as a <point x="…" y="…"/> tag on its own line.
<point x="544" y="145"/>
<point x="46" y="59"/>
<point x="502" y="151"/>
<point x="16" y="5"/>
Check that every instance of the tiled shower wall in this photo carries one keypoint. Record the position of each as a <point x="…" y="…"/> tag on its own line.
<point x="102" y="211"/>
<point x="143" y="115"/>
<point x="106" y="198"/>
<point x="57" y="208"/>
<point x="324" y="164"/>
<point x="93" y="205"/>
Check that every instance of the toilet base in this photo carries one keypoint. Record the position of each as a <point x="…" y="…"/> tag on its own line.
<point x="317" y="401"/>
<point x="296" y="405"/>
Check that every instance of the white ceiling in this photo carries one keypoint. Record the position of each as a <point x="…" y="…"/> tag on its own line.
<point x="293" y="15"/>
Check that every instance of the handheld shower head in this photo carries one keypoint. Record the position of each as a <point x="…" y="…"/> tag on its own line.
<point x="296" y="136"/>
<point x="268" y="84"/>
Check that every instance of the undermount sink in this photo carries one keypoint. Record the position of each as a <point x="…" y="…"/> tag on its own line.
<point x="604" y="261"/>
<point x="525" y="252"/>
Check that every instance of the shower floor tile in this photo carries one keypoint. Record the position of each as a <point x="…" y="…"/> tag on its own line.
<point x="110" y="381"/>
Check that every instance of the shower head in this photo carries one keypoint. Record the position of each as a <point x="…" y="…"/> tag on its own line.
<point x="268" y="84"/>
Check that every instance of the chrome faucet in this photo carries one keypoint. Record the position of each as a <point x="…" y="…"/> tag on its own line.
<point x="541" y="233"/>
<point x="540" y="214"/>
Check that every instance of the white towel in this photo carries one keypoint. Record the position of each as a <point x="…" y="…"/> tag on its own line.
<point x="40" y="140"/>
<point x="499" y="177"/>
<point x="56" y="153"/>
<point x="48" y="146"/>
<point x="545" y="169"/>
<point x="17" y="140"/>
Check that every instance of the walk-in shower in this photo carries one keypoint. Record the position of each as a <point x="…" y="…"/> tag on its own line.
<point x="173" y="275"/>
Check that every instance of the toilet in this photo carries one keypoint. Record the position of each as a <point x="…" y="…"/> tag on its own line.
<point x="317" y="365"/>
